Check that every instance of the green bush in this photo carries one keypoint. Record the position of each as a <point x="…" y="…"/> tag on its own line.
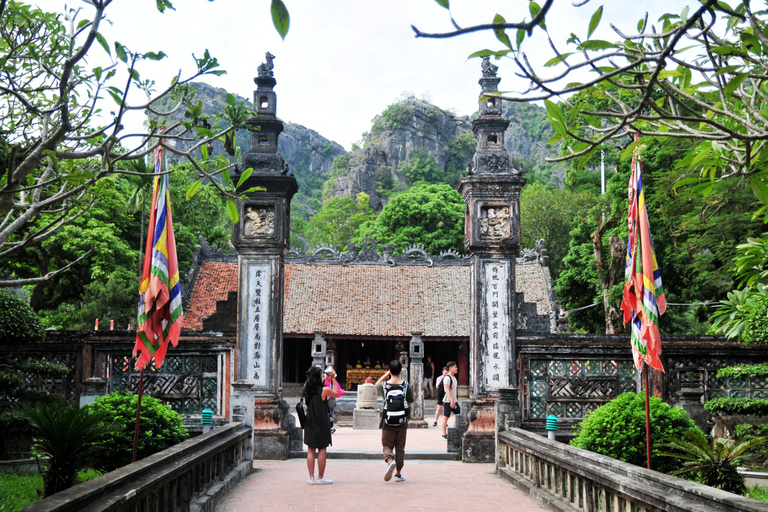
<point x="161" y="427"/>
<point x="617" y="429"/>
<point x="67" y="437"/>
<point x="756" y="406"/>
<point x="758" y="458"/>
<point x="18" y="323"/>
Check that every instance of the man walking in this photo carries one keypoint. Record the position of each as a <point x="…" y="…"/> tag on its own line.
<point x="450" y="403"/>
<point x="440" y="394"/>
<point x="398" y="399"/>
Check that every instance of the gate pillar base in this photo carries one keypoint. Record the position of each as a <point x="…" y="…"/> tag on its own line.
<point x="478" y="442"/>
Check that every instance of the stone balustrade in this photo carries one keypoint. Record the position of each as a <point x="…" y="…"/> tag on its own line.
<point x="189" y="477"/>
<point x="570" y="479"/>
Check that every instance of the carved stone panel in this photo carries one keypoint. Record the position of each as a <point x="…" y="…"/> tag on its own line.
<point x="259" y="221"/>
<point x="495" y="222"/>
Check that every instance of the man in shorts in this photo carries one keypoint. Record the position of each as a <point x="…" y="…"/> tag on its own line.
<point x="450" y="401"/>
<point x="429" y="374"/>
<point x="439" y="395"/>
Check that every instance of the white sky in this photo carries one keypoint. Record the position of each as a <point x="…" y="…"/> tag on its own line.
<point x="344" y="61"/>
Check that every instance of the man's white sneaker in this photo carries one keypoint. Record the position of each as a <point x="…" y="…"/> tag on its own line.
<point x="311" y="481"/>
<point x="323" y="481"/>
<point x="390" y="470"/>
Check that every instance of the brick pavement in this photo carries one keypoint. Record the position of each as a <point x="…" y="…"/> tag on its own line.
<point x="359" y="486"/>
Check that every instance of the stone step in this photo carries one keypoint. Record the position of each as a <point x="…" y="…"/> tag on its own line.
<point x="366" y="455"/>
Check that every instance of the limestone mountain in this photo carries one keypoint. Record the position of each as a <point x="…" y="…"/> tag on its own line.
<point x="309" y="154"/>
<point x="411" y="129"/>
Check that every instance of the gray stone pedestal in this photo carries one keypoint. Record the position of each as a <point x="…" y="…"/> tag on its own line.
<point x="366" y="418"/>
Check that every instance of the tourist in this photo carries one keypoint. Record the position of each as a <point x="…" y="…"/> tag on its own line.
<point x="429" y="373"/>
<point x="439" y="395"/>
<point x="317" y="431"/>
<point x="398" y="399"/>
<point x="331" y="400"/>
<point x="450" y="403"/>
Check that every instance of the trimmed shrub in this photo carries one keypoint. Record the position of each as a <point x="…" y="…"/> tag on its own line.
<point x="161" y="427"/>
<point x="18" y="323"/>
<point x="617" y="429"/>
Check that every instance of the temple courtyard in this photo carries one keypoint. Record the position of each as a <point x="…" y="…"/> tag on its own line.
<point x="359" y="486"/>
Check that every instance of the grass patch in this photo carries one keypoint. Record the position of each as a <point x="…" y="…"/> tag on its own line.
<point x="758" y="493"/>
<point x="19" y="491"/>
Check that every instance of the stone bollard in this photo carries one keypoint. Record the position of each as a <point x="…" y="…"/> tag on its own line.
<point x="366" y="414"/>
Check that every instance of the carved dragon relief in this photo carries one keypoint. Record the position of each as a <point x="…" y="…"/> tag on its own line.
<point x="259" y="222"/>
<point x="495" y="222"/>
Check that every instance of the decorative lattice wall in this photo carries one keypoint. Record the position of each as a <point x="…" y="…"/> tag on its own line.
<point x="571" y="388"/>
<point x="188" y="383"/>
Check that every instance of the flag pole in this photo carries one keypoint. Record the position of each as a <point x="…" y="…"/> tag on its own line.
<point x="646" y="370"/>
<point x="138" y="417"/>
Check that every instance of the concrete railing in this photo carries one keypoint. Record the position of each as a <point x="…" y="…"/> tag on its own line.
<point x="192" y="476"/>
<point x="570" y="479"/>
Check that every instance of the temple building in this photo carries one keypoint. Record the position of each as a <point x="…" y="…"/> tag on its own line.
<point x="365" y="303"/>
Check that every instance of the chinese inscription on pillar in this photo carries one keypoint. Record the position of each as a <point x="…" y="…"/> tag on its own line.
<point x="258" y="320"/>
<point x="495" y="304"/>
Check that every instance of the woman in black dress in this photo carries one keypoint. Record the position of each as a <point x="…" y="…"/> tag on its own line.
<point x="317" y="431"/>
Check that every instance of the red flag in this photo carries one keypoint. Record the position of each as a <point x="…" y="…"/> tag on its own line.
<point x="160" y="312"/>
<point x="644" y="301"/>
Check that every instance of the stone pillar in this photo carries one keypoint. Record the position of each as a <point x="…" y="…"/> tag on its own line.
<point x="261" y="237"/>
<point x="319" y="349"/>
<point x="330" y="354"/>
<point x="416" y="380"/>
<point x="93" y="388"/>
<point x="692" y="400"/>
<point x="507" y="416"/>
<point x="242" y="405"/>
<point x="491" y="193"/>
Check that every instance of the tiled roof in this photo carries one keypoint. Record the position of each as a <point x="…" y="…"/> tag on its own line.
<point x="214" y="282"/>
<point x="365" y="300"/>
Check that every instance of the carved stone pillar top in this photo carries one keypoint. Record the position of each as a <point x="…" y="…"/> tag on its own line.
<point x="417" y="347"/>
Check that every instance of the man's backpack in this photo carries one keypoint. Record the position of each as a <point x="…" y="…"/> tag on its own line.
<point x="441" y="390"/>
<point x="394" y="403"/>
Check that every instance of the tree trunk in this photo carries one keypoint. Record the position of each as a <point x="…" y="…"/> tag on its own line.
<point x="608" y="272"/>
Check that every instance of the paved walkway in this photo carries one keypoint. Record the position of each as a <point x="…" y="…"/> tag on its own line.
<point x="359" y="486"/>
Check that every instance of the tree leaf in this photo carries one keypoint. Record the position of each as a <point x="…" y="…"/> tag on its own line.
<point x="204" y="151"/>
<point x="556" y="119"/>
<point x="120" y="52"/>
<point x="534" y="9"/>
<point x="232" y="211"/>
<point x="155" y="55"/>
<point x="501" y="34"/>
<point x="595" y="21"/>
<point x="443" y="3"/>
<point x="734" y="83"/>
<point x="231" y="99"/>
<point x="597" y="44"/>
<point x="280" y="17"/>
<point x="103" y="43"/>
<point x="192" y="190"/>
<point x="243" y="177"/>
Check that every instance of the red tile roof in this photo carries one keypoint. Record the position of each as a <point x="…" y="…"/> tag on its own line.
<point x="365" y="300"/>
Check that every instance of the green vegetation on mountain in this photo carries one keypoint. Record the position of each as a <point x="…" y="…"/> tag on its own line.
<point x="429" y="215"/>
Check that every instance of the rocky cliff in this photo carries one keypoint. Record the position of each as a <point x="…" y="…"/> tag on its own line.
<point x="405" y="129"/>
<point x="412" y="126"/>
<point x="309" y="154"/>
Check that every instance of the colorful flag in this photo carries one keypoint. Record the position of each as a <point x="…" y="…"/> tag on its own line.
<point x="160" y="313"/>
<point x="644" y="300"/>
